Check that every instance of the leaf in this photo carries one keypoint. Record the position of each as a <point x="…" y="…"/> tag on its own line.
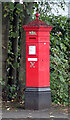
<point x="51" y="116"/>
<point x="61" y="79"/>
<point x="29" y="116"/>
<point x="8" y="109"/>
<point x="11" y="6"/>
<point x="14" y="34"/>
<point x="63" y="46"/>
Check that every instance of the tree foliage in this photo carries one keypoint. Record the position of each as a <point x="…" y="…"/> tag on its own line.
<point x="59" y="67"/>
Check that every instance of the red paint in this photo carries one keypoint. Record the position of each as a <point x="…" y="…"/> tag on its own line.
<point x="38" y="74"/>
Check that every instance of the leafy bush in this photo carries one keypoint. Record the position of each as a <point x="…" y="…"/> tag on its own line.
<point x="59" y="64"/>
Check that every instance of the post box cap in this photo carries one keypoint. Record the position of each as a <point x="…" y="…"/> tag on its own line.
<point x="37" y="24"/>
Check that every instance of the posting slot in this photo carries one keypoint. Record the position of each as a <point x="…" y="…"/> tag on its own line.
<point x="32" y="38"/>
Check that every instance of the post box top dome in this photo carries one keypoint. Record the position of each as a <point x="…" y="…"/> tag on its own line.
<point x="37" y="24"/>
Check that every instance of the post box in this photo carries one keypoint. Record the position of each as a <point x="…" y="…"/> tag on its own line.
<point x="37" y="92"/>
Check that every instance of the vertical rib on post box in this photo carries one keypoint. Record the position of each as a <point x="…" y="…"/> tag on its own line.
<point x="37" y="92"/>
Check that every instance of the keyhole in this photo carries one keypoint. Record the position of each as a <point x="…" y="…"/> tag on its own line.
<point x="42" y="59"/>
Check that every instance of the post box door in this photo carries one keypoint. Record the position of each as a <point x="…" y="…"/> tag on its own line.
<point x="32" y="64"/>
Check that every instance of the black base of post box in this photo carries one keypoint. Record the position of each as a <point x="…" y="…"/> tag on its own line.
<point x="37" y="98"/>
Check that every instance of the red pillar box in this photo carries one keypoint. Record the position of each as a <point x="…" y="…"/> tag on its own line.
<point x="37" y="92"/>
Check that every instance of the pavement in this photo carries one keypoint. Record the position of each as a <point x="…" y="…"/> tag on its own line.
<point x="53" y="113"/>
